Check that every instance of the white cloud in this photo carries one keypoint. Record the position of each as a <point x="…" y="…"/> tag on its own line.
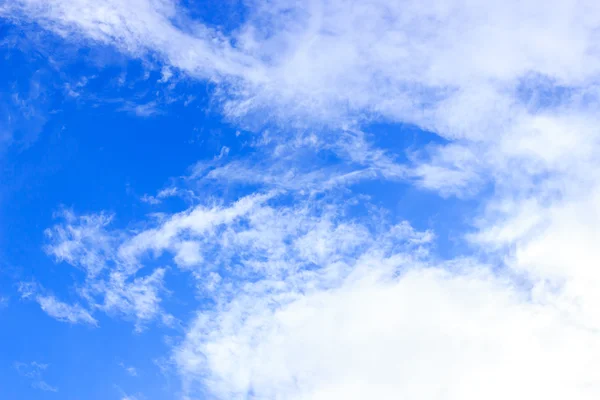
<point x="44" y="386"/>
<point x="196" y="221"/>
<point x="188" y="253"/>
<point x="419" y="62"/>
<point x="111" y="285"/>
<point x="296" y="163"/>
<point x="33" y="371"/>
<point x="30" y="370"/>
<point x="429" y="334"/>
<point x="81" y="242"/>
<point x="138" y="298"/>
<point x="27" y="289"/>
<point x="315" y="304"/>
<point x="142" y="110"/>
<point x="136" y="27"/>
<point x="422" y="62"/>
<point x="252" y="236"/>
<point x="72" y="314"/>
<point x="381" y="323"/>
<point x="166" y="75"/>
<point x="161" y="195"/>
<point x="322" y="306"/>
<point x="131" y="371"/>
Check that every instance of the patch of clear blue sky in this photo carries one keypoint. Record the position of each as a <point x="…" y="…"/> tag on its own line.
<point x="77" y="141"/>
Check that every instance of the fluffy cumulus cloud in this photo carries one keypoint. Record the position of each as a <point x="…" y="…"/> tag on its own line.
<point x="309" y="300"/>
<point x="426" y="334"/>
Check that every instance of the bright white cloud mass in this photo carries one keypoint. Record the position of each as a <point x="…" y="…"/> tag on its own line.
<point x="305" y="285"/>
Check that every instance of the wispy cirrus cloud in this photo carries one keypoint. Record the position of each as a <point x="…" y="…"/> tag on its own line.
<point x="406" y="61"/>
<point x="55" y="308"/>
<point x="65" y="312"/>
<point x="41" y="385"/>
<point x="33" y="371"/>
<point x="131" y="371"/>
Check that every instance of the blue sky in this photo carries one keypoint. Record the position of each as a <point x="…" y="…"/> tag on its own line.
<point x="283" y="200"/>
